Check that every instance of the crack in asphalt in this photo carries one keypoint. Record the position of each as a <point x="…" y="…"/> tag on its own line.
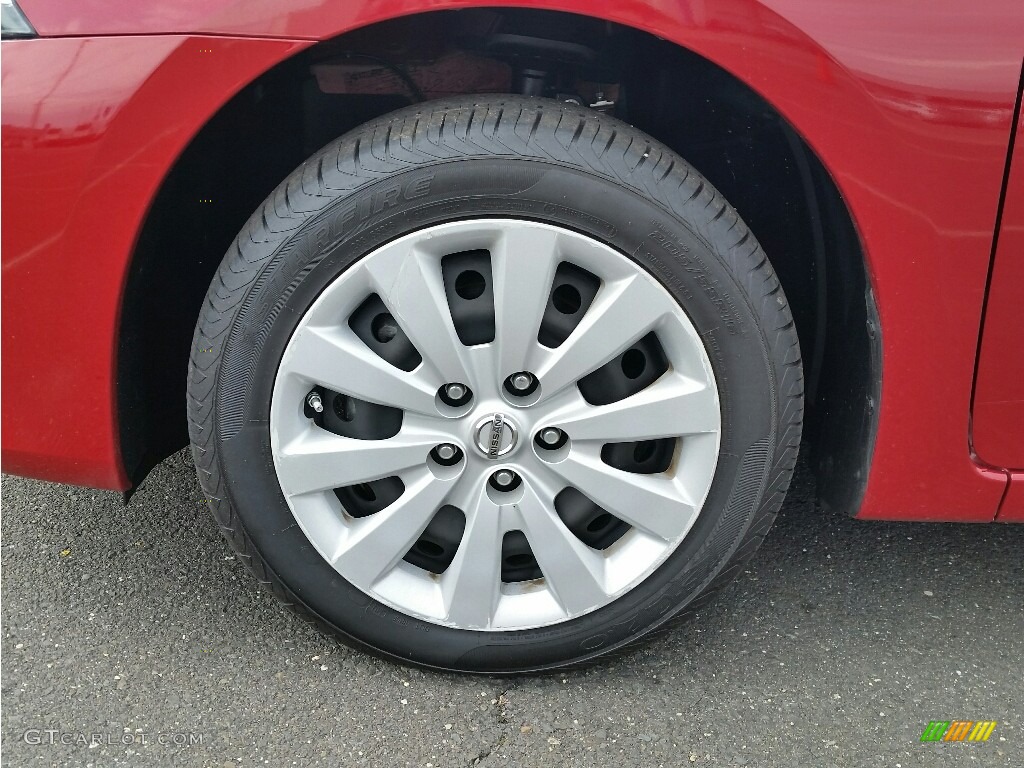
<point x="500" y="702"/>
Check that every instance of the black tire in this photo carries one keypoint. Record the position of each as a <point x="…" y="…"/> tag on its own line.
<point x="495" y="156"/>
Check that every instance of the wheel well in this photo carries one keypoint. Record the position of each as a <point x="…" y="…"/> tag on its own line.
<point x="728" y="132"/>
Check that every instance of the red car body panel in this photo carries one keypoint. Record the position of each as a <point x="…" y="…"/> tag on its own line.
<point x="1012" y="508"/>
<point x="90" y="129"/>
<point x="998" y="425"/>
<point x="907" y="103"/>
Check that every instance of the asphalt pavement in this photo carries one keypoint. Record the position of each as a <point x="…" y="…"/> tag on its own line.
<point x="133" y="637"/>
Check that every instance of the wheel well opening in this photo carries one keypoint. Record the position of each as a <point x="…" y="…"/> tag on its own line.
<point x="727" y="131"/>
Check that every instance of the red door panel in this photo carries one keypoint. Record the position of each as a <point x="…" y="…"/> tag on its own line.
<point x="998" y="425"/>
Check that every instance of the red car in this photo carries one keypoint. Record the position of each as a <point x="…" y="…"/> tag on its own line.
<point x="496" y="330"/>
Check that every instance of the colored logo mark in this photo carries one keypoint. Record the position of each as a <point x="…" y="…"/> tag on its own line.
<point x="958" y="730"/>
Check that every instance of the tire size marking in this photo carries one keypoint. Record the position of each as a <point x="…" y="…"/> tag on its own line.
<point x="694" y="266"/>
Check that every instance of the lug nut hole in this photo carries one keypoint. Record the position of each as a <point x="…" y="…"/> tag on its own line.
<point x="644" y="451"/>
<point x="429" y="548"/>
<point x="634" y="362"/>
<point x="566" y="299"/>
<point x="383" y="327"/>
<point x="344" y="407"/>
<point x="470" y="285"/>
<point x="365" y="492"/>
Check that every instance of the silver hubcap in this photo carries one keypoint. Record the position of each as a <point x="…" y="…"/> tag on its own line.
<point x="539" y="431"/>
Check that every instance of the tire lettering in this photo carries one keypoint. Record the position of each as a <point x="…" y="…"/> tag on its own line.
<point x="418" y="187"/>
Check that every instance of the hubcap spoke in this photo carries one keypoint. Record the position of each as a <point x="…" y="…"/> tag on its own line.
<point x="671" y="407"/>
<point x="409" y="283"/>
<point x="654" y="503"/>
<point x="322" y="461"/>
<point x="574" y="572"/>
<point x="337" y="359"/>
<point x="523" y="264"/>
<point x="373" y="545"/>
<point x="470" y="585"/>
<point x="621" y="314"/>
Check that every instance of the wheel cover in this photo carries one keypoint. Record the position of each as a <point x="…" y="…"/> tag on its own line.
<point x="653" y="512"/>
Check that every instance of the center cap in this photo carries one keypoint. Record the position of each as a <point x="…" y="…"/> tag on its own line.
<point x="496" y="435"/>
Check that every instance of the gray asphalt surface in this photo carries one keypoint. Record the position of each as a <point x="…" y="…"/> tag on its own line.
<point x="835" y="648"/>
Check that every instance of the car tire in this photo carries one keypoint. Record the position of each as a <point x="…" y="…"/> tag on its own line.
<point x="434" y="245"/>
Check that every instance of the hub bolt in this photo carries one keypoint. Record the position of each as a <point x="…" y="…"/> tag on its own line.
<point x="550" y="436"/>
<point x="446" y="451"/>
<point x="521" y="381"/>
<point x="455" y="391"/>
<point x="503" y="478"/>
<point x="314" y="402"/>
